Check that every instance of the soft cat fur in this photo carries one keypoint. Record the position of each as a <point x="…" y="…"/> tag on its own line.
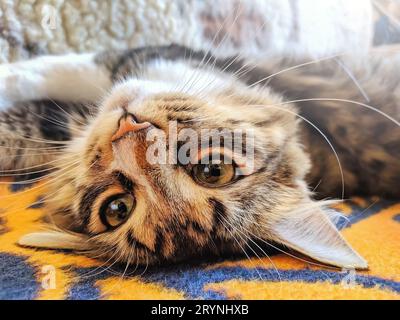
<point x="77" y="101"/>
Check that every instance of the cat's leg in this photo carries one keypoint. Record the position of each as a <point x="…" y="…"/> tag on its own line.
<point x="33" y="134"/>
<point x="71" y="77"/>
<point x="34" y="124"/>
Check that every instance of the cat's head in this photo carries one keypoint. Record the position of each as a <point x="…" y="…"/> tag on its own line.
<point x="130" y="199"/>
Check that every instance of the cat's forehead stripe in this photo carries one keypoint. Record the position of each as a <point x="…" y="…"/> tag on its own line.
<point x="90" y="195"/>
<point x="125" y="182"/>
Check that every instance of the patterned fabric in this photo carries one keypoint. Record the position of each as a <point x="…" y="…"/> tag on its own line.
<point x="373" y="228"/>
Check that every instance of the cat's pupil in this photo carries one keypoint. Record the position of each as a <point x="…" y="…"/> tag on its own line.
<point x="215" y="173"/>
<point x="119" y="209"/>
<point x="212" y="171"/>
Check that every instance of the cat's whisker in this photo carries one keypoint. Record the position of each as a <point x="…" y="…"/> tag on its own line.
<point x="194" y="78"/>
<point x="238" y="56"/>
<point x="245" y="69"/>
<point x="45" y="141"/>
<point x="197" y="119"/>
<point x="277" y="105"/>
<point x="95" y="253"/>
<point x="31" y="181"/>
<point x="180" y="86"/>
<point x="252" y="65"/>
<point x="70" y="115"/>
<point x="39" y="140"/>
<point x="59" y="169"/>
<point x="364" y="211"/>
<point x="239" y="244"/>
<point x="352" y="78"/>
<point x="102" y="268"/>
<point x="45" y="160"/>
<point x="32" y="148"/>
<point x="231" y="62"/>
<point x="14" y="156"/>
<point x="116" y="261"/>
<point x="128" y="264"/>
<point x="24" y="174"/>
<point x="385" y="12"/>
<point x="314" y="61"/>
<point x="40" y="201"/>
<point x="147" y="265"/>
<point x="70" y="168"/>
<point x="296" y="257"/>
<point x="353" y="102"/>
<point x="247" y="237"/>
<point x="317" y="185"/>
<point x="56" y="122"/>
<point x="299" y="211"/>
<point x="26" y="169"/>
<point x="129" y="274"/>
<point x="336" y="57"/>
<point x="137" y="264"/>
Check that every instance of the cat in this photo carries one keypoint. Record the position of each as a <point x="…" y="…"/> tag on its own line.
<point x="83" y="119"/>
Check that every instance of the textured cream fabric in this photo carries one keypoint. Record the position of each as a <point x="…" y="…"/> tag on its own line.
<point x="297" y="28"/>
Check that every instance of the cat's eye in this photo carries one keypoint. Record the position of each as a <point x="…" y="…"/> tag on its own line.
<point x="117" y="209"/>
<point x="215" y="174"/>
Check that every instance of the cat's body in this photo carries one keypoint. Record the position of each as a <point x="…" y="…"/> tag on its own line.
<point x="175" y="217"/>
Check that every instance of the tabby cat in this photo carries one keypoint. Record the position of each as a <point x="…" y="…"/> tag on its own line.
<point x="84" y="119"/>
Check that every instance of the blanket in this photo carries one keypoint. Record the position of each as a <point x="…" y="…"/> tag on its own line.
<point x="295" y="29"/>
<point x="270" y="27"/>
<point x="373" y="227"/>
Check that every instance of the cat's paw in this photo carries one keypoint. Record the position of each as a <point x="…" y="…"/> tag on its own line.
<point x="16" y="84"/>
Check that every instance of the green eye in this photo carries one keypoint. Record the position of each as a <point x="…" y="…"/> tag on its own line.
<point x="214" y="174"/>
<point x="117" y="209"/>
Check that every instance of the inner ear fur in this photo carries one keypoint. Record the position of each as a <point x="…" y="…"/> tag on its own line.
<point x="311" y="231"/>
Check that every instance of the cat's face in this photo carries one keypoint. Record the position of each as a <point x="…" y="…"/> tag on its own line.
<point x="132" y="208"/>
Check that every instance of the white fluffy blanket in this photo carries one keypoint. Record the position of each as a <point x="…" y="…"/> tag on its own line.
<point x="295" y="28"/>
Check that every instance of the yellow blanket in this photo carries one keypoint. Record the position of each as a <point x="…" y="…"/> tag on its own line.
<point x="374" y="231"/>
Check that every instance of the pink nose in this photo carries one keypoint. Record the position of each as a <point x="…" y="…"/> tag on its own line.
<point x="128" y="124"/>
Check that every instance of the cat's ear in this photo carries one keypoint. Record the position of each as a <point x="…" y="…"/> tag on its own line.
<point x="312" y="233"/>
<point x="55" y="239"/>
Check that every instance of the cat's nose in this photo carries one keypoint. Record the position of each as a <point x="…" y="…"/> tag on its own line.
<point x="128" y="123"/>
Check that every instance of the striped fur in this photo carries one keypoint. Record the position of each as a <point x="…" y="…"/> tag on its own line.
<point x="175" y="217"/>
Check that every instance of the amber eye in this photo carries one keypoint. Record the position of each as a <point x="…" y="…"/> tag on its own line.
<point x="117" y="209"/>
<point x="214" y="174"/>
